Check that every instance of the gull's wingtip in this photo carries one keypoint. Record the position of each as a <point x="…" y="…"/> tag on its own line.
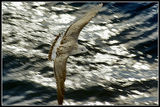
<point x="100" y="5"/>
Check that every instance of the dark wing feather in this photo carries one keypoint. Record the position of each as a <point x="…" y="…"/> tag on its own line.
<point x="60" y="75"/>
<point x="76" y="27"/>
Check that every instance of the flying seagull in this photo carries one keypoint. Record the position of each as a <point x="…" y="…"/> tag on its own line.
<point x="66" y="45"/>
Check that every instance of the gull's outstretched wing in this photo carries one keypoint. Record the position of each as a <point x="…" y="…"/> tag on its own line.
<point x="60" y="75"/>
<point x="74" y="29"/>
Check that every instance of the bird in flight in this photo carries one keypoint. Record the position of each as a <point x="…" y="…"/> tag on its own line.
<point x="66" y="45"/>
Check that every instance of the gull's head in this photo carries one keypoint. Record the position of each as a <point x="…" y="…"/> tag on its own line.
<point x="81" y="49"/>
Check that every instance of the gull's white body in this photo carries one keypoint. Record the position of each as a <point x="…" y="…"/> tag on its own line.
<point x="66" y="45"/>
<point x="78" y="50"/>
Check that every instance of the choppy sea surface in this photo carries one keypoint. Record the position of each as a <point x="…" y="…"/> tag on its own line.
<point x="120" y="68"/>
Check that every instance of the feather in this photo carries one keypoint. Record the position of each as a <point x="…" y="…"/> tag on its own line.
<point x="74" y="29"/>
<point x="54" y="46"/>
<point x="60" y="75"/>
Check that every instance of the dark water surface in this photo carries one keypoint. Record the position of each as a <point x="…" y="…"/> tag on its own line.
<point x="120" y="68"/>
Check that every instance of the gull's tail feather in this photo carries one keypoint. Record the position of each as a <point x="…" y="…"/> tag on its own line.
<point x="54" y="46"/>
